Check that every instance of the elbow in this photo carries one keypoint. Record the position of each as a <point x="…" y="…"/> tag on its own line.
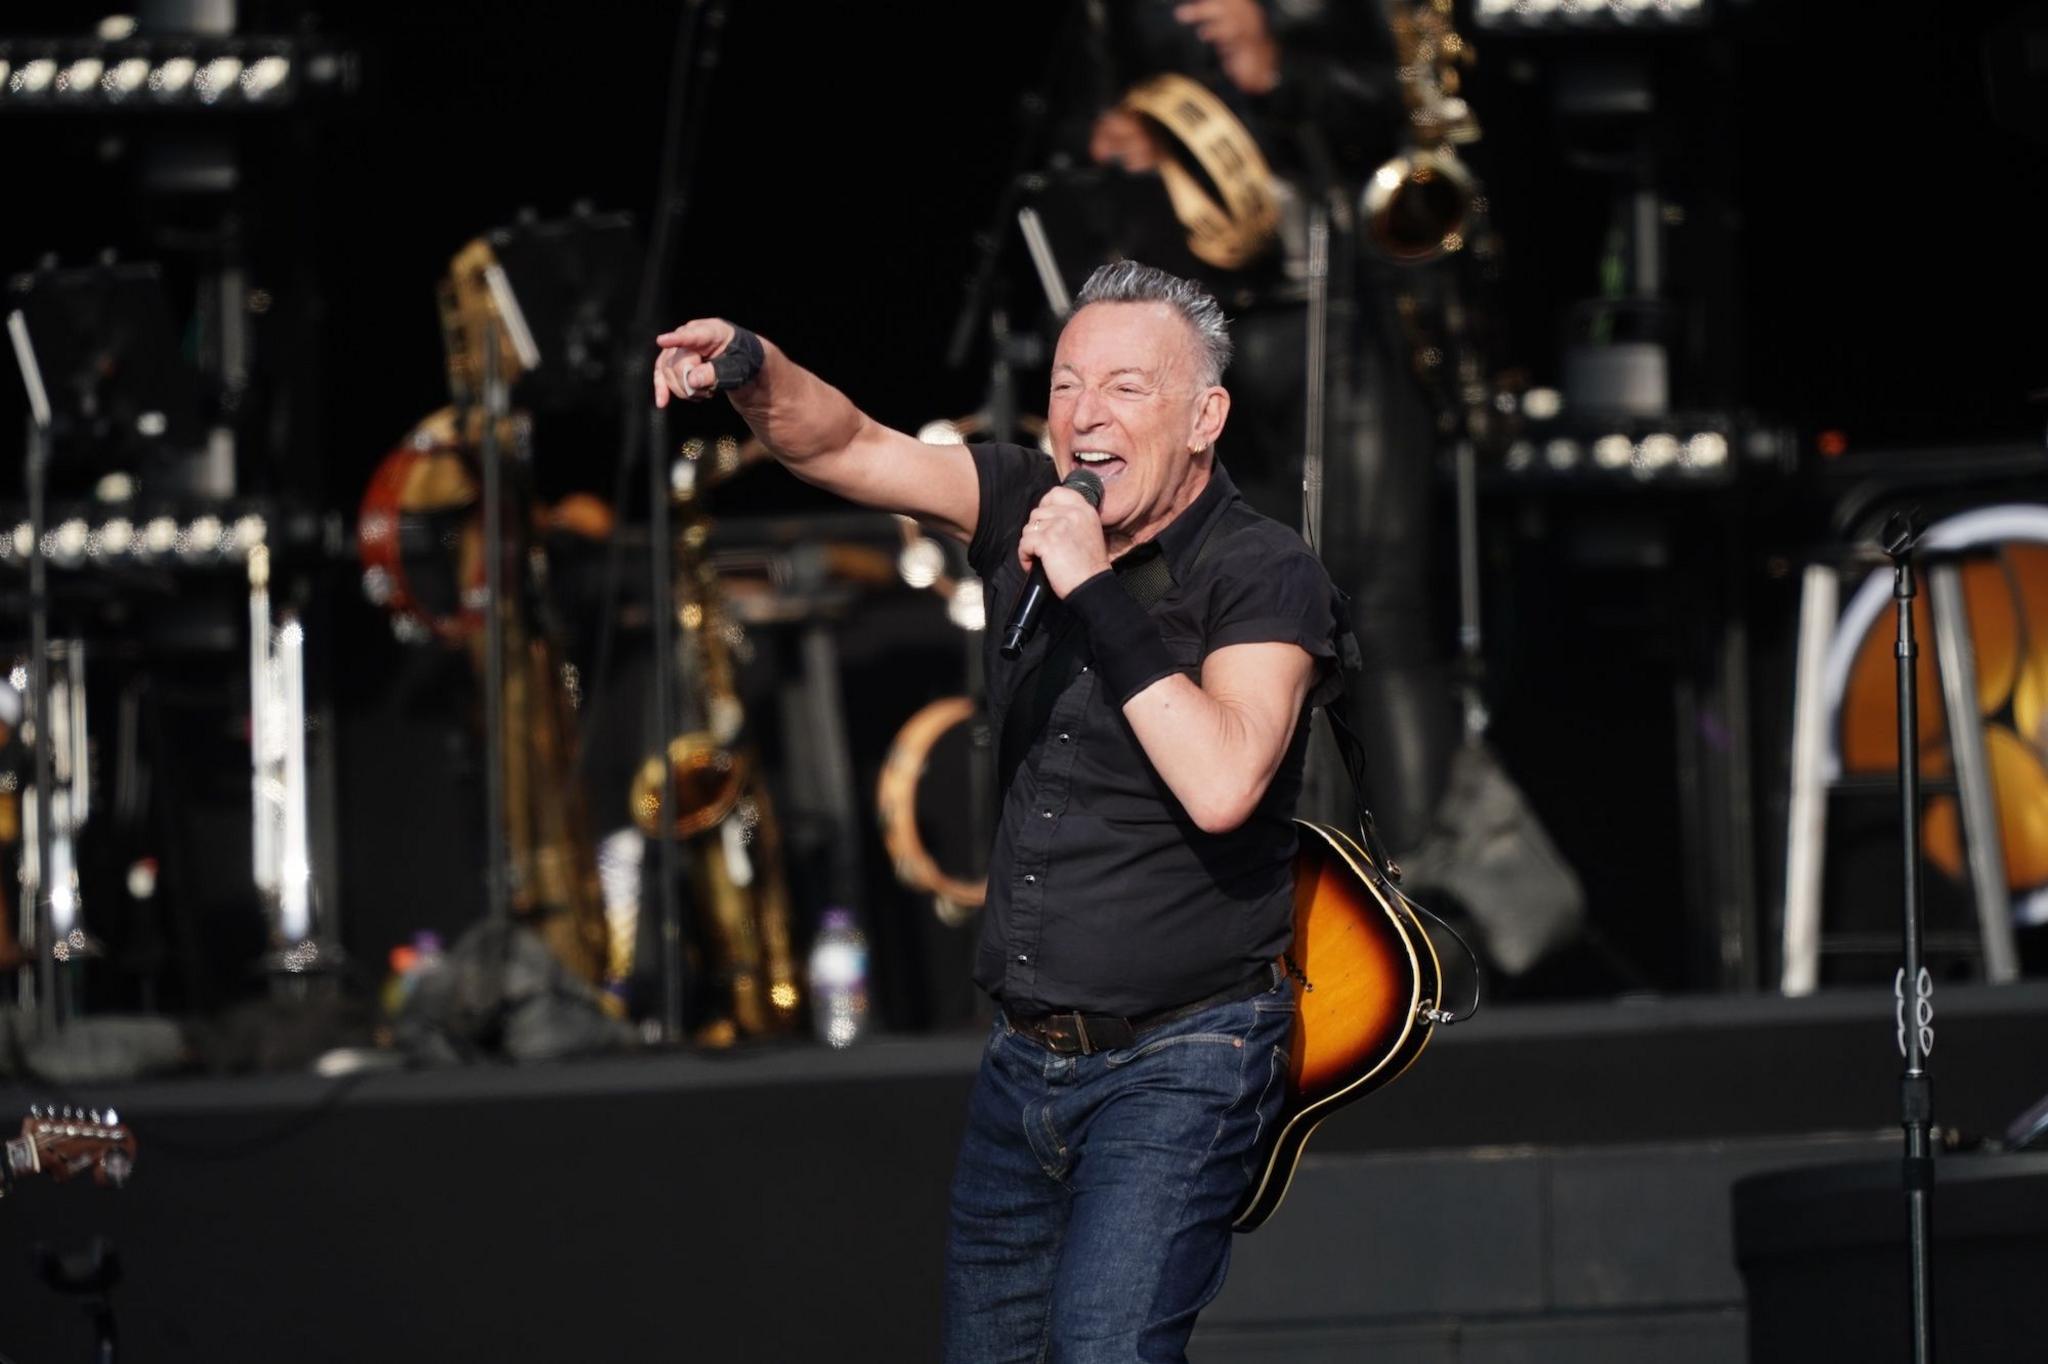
<point x="1222" y="812"/>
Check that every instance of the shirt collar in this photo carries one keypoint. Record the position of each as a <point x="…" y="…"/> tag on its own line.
<point x="1187" y="530"/>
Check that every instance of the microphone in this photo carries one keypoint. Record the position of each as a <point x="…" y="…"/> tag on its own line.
<point x="1030" y="606"/>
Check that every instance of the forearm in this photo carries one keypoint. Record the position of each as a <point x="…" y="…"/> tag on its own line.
<point x="1211" y="751"/>
<point x="796" y="414"/>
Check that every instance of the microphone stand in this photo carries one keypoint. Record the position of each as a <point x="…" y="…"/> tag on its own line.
<point x="1034" y="110"/>
<point x="497" y="871"/>
<point x="661" y="596"/>
<point x="698" y="30"/>
<point x="1915" y="1015"/>
<point x="48" y="1015"/>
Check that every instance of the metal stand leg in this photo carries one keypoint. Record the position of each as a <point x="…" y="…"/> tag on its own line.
<point x="833" y="771"/>
<point x="1982" y="844"/>
<point x="1806" y="836"/>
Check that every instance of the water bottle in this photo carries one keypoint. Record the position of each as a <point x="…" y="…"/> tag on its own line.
<point x="410" y="964"/>
<point x="839" y="980"/>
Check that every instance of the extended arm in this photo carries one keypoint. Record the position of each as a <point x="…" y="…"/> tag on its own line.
<point x="816" y="431"/>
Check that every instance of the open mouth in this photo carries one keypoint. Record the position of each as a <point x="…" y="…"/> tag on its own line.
<point x="1103" y="465"/>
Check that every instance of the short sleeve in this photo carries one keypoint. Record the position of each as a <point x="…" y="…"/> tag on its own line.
<point x="1272" y="593"/>
<point x="1012" y="480"/>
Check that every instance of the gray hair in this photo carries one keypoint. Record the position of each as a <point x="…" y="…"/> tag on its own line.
<point x="1129" y="282"/>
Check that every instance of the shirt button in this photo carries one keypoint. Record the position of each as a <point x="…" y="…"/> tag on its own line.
<point x="1030" y="879"/>
<point x="1066" y="738"/>
<point x="1023" y="960"/>
<point x="1046" y="813"/>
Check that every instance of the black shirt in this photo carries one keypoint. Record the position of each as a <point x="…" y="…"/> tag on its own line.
<point x="1103" y="895"/>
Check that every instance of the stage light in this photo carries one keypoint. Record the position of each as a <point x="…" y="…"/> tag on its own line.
<point x="941" y="432"/>
<point x="1542" y="404"/>
<point x="967" y="607"/>
<point x="116" y="537"/>
<point x="33" y="77"/>
<point x="1520" y="456"/>
<point x="201" y="538"/>
<point x="265" y="76"/>
<point x="160" y="536"/>
<point x="67" y="544"/>
<point x="125" y="77"/>
<point x="81" y="77"/>
<point x="250" y="532"/>
<point x="1656" y="453"/>
<point x="1707" y="450"/>
<point x="217" y="78"/>
<point x="921" y="563"/>
<point x="1578" y="16"/>
<point x="1613" y="452"/>
<point x="185" y="69"/>
<point x="174" y="76"/>
<point x="1562" y="453"/>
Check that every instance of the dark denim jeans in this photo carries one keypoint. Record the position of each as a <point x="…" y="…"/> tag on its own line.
<point x="1094" y="1195"/>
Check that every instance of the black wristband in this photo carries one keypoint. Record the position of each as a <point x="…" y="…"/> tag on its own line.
<point x="1129" y="654"/>
<point x="741" y="361"/>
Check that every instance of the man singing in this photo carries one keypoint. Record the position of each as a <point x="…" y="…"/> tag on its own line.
<point x="1151" y="737"/>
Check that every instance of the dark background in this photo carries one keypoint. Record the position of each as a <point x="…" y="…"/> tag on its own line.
<point x="1860" y="253"/>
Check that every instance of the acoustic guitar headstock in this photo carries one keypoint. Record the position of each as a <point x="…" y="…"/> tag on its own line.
<point x="73" y="1141"/>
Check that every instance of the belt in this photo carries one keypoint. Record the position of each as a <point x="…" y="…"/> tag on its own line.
<point x="1079" y="1034"/>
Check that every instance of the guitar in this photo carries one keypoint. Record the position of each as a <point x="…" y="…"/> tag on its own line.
<point x="1368" y="985"/>
<point x="73" y="1142"/>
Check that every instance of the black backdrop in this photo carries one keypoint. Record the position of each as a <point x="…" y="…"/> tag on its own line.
<point x="1882" y="227"/>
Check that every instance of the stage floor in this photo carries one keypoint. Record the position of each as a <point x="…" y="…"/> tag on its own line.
<point x="1548" y="1183"/>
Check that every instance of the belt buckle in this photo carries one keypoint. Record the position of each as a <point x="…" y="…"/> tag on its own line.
<point x="1062" y="1034"/>
<point x="1063" y="1039"/>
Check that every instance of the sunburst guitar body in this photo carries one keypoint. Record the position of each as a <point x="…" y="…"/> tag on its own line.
<point x="1367" y="983"/>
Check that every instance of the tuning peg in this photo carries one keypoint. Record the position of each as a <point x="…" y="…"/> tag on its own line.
<point x="35" y="1110"/>
<point x="113" y="1118"/>
<point x="95" y="1117"/>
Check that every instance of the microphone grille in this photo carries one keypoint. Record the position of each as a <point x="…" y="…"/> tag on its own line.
<point x="1086" y="484"/>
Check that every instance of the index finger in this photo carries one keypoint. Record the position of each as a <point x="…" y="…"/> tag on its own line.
<point x="702" y="335"/>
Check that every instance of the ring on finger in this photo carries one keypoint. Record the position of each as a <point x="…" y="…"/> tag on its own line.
<point x="688" y="392"/>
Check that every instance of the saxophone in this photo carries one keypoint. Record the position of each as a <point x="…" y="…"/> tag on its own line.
<point x="1417" y="206"/>
<point x="723" y="808"/>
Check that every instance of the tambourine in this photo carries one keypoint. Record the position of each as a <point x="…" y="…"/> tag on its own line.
<point x="1237" y="222"/>
<point x="948" y="721"/>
